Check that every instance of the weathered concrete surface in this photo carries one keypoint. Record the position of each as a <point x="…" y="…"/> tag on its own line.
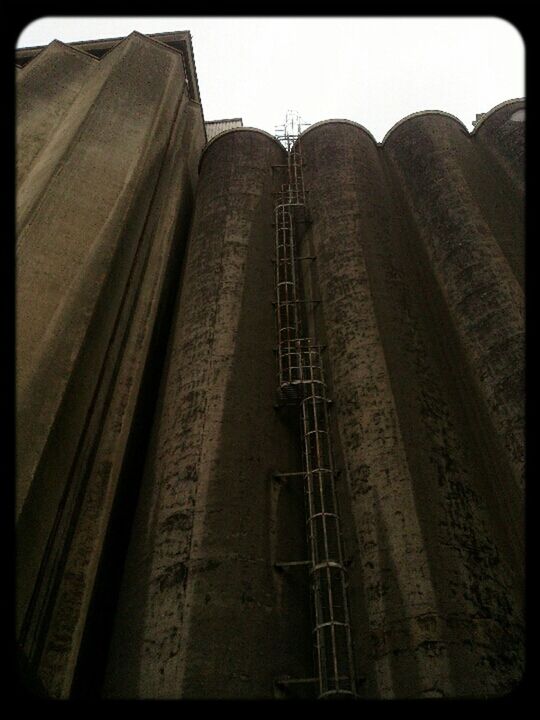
<point x="202" y="612"/>
<point x="436" y="582"/>
<point x="502" y="131"/>
<point x="433" y="155"/>
<point x="498" y="182"/>
<point x="46" y="89"/>
<point x="100" y="193"/>
<point x="118" y="209"/>
<point x="341" y="163"/>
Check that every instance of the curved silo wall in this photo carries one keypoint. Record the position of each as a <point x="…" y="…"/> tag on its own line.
<point x="202" y="612"/>
<point x="434" y="157"/>
<point x="435" y="577"/>
<point x="95" y="265"/>
<point x="502" y="131"/>
<point x="497" y="179"/>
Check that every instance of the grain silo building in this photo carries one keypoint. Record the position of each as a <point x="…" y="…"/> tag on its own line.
<point x="270" y="424"/>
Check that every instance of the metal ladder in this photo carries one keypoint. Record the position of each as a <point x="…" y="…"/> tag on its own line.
<point x="302" y="385"/>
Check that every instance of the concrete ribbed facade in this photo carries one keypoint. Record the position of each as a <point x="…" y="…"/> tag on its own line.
<point x="148" y="522"/>
<point x="103" y="212"/>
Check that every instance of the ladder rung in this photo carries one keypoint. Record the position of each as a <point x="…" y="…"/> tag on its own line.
<point x="329" y="564"/>
<point x="294" y="302"/>
<point x="305" y="257"/>
<point x="296" y="681"/>
<point x="330" y="622"/>
<point x="299" y="681"/>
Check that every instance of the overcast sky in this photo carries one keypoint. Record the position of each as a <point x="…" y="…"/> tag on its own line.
<point x="371" y="70"/>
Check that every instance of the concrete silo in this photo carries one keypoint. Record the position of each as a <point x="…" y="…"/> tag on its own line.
<point x="423" y="319"/>
<point x="163" y="546"/>
<point x="202" y="612"/>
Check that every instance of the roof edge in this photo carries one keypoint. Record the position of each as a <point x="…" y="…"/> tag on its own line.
<point x="421" y="113"/>
<point x="494" y="110"/>
<point x="209" y="122"/>
<point x="337" y="121"/>
<point x="178" y="41"/>
<point x="61" y="44"/>
<point x="233" y="130"/>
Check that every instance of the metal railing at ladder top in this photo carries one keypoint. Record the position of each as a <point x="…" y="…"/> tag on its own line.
<point x="302" y="385"/>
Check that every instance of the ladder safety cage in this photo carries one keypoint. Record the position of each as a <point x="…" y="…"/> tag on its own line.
<point x="301" y="383"/>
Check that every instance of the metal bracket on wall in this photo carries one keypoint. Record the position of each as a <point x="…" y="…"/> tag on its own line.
<point x="287" y="686"/>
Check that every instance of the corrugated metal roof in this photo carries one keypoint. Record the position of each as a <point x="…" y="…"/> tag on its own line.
<point x="214" y="127"/>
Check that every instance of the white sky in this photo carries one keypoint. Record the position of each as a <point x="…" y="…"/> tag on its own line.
<point x="370" y="70"/>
